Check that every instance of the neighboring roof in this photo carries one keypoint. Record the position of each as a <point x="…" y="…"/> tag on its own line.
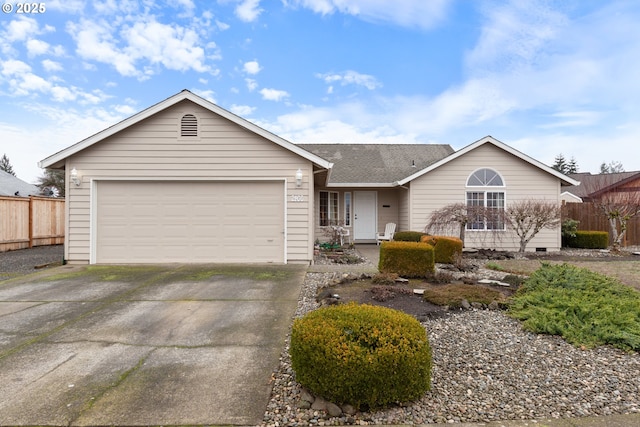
<point x="10" y="184"/>
<point x="565" y="180"/>
<point x="380" y="165"/>
<point x="598" y="183"/>
<point x="565" y="195"/>
<point x="57" y="160"/>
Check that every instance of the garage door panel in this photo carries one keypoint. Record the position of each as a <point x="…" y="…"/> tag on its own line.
<point x="149" y="222"/>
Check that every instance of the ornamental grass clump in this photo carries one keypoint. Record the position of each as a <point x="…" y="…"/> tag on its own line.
<point x="363" y="355"/>
<point x="585" y="308"/>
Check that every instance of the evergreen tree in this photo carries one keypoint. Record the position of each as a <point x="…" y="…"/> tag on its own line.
<point x="560" y="163"/>
<point x="611" y="167"/>
<point x="562" y="166"/>
<point x="572" y="167"/>
<point x="5" y="165"/>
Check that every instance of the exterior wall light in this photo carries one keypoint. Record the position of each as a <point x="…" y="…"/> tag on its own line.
<point x="299" y="178"/>
<point x="75" y="178"/>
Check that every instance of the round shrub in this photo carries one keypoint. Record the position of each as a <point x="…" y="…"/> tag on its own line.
<point x="363" y="355"/>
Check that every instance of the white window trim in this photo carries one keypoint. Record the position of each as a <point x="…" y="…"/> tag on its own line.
<point x="337" y="210"/>
<point x="347" y="215"/>
<point x="486" y="189"/>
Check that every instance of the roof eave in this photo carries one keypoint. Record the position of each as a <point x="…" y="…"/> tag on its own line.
<point x="361" y="185"/>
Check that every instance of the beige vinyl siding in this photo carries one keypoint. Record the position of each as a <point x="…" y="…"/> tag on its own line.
<point x="388" y="208"/>
<point x="154" y="149"/>
<point x="447" y="184"/>
<point x="404" y="209"/>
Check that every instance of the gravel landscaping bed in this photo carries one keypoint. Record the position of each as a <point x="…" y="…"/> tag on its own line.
<point x="24" y="261"/>
<point x="485" y="368"/>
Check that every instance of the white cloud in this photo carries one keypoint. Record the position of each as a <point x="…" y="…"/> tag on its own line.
<point x="96" y="42"/>
<point x="408" y="13"/>
<point x="248" y="10"/>
<point x="222" y="26"/>
<point x="13" y="67"/>
<point x="148" y="42"/>
<point x="273" y="94"/>
<point x="21" y="29"/>
<point x="37" y="47"/>
<point x="351" y="78"/>
<point x="51" y="66"/>
<point x="515" y="34"/>
<point x="252" y="67"/>
<point x="174" y="47"/>
<point x="66" y="6"/>
<point x="125" y="110"/>
<point x="251" y="84"/>
<point x="242" y="110"/>
<point x="209" y="95"/>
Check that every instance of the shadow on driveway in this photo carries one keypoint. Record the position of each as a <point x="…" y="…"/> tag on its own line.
<point x="143" y="345"/>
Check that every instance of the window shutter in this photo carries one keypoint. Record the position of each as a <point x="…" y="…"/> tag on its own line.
<point x="189" y="125"/>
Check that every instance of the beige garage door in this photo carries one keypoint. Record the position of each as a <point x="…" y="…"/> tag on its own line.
<point x="153" y="222"/>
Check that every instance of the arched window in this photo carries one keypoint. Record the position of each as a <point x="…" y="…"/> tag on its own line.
<point x="189" y="125"/>
<point x="485" y="206"/>
<point x="485" y="178"/>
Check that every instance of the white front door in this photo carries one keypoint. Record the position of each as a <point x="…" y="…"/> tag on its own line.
<point x="364" y="215"/>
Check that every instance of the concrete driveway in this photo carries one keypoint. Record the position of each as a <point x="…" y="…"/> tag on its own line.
<point x="143" y="345"/>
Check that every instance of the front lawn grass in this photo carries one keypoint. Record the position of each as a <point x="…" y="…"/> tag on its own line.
<point x="585" y="308"/>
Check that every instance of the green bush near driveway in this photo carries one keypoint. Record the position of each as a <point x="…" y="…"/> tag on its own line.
<point x="367" y="356"/>
<point x="585" y="308"/>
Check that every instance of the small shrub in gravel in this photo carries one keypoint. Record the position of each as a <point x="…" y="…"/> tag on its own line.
<point x="513" y="279"/>
<point x="385" y="279"/>
<point x="452" y="295"/>
<point x="362" y="355"/>
<point x="385" y="293"/>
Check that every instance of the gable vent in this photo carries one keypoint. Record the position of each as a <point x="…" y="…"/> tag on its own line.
<point x="189" y="125"/>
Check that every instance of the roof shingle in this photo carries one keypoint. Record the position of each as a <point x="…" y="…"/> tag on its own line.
<point x="377" y="163"/>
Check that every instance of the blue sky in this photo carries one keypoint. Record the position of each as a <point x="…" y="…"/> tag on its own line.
<point x="546" y="77"/>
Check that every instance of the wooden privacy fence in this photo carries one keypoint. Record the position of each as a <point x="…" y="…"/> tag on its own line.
<point x="591" y="218"/>
<point x="30" y="221"/>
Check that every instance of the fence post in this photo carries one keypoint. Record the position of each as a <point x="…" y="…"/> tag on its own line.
<point x="30" y="222"/>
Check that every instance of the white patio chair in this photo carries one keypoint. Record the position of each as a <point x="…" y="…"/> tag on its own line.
<point x="389" y="231"/>
<point x="344" y="232"/>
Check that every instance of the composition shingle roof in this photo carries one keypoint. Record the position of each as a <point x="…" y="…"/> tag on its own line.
<point x="9" y="185"/>
<point x="590" y="184"/>
<point x="377" y="163"/>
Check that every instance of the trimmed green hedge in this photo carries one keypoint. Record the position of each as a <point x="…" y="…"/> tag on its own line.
<point x="408" y="236"/>
<point x="408" y="259"/>
<point x="588" y="240"/>
<point x="447" y="249"/>
<point x="363" y="355"/>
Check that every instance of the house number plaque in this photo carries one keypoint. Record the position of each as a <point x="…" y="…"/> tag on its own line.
<point x="297" y="198"/>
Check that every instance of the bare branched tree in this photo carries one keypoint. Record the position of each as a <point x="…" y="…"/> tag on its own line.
<point x="454" y="218"/>
<point x="528" y="217"/>
<point x="525" y="218"/>
<point x="619" y="203"/>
